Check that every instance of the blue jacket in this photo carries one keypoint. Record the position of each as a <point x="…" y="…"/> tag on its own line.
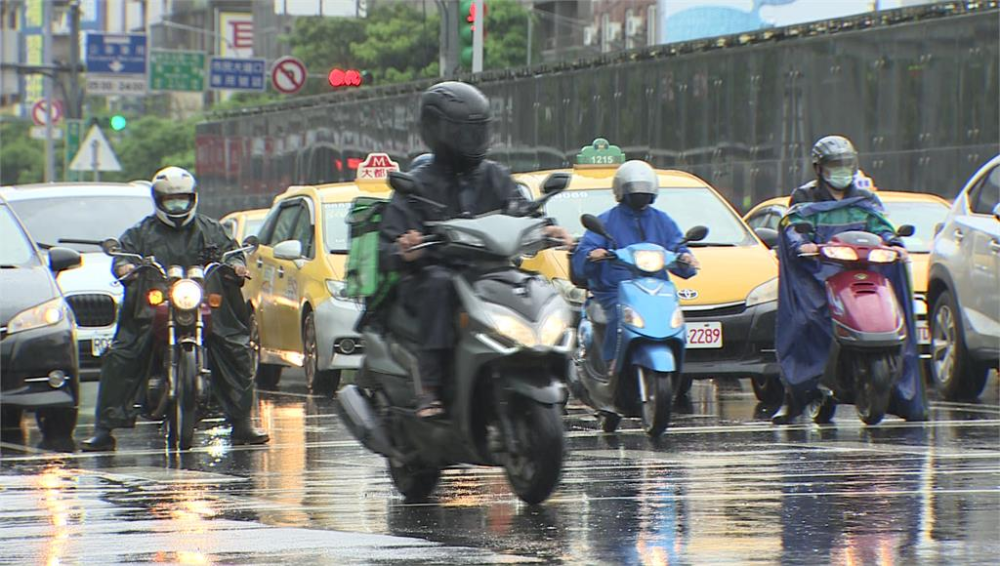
<point x="627" y="227"/>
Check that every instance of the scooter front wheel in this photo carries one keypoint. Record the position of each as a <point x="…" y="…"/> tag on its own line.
<point x="534" y="470"/>
<point x="659" y="395"/>
<point x="414" y="481"/>
<point x="873" y="387"/>
<point x="183" y="412"/>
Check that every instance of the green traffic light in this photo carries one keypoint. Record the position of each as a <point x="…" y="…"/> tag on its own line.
<point x="118" y="122"/>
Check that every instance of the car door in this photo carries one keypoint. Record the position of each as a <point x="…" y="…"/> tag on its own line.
<point x="982" y="305"/>
<point x="295" y="276"/>
<point x="274" y="288"/>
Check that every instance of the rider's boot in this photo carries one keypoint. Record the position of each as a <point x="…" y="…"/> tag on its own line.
<point x="101" y="441"/>
<point x="245" y="433"/>
<point x="788" y="412"/>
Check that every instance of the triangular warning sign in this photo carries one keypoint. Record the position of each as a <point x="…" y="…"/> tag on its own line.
<point x="95" y="154"/>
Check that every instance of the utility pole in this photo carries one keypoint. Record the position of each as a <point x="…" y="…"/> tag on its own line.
<point x="50" y="157"/>
<point x="477" y="39"/>
<point x="448" y="53"/>
<point x="74" y="106"/>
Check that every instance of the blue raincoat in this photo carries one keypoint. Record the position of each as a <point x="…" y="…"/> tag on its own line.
<point x="805" y="329"/>
<point x="627" y="227"/>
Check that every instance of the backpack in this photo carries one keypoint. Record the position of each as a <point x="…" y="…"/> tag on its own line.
<point x="364" y="279"/>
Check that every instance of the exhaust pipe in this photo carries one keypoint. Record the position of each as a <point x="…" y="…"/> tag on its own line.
<point x="356" y="412"/>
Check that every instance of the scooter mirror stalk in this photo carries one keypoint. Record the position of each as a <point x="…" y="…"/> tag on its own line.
<point x="594" y="224"/>
<point x="110" y="245"/>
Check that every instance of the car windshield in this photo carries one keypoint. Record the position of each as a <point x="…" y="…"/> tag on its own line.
<point x="80" y="217"/>
<point x="687" y="206"/>
<point x="16" y="250"/>
<point x="335" y="226"/>
<point x="923" y="216"/>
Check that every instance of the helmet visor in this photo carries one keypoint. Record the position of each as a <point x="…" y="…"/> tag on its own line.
<point x="470" y="140"/>
<point x="176" y="204"/>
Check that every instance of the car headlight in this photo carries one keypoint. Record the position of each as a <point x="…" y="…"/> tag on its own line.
<point x="764" y="293"/>
<point x="632" y="318"/>
<point x="185" y="295"/>
<point x="919" y="306"/>
<point x="337" y="289"/>
<point x="677" y="320"/>
<point x="513" y="329"/>
<point x="45" y="314"/>
<point x="570" y="292"/>
<point x="842" y="253"/>
<point x="553" y="329"/>
<point x="882" y="256"/>
<point x="649" y="261"/>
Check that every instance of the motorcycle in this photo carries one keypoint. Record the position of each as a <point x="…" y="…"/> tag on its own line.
<point x="869" y="326"/>
<point x="652" y="338"/>
<point x="506" y="396"/>
<point x="179" y="389"/>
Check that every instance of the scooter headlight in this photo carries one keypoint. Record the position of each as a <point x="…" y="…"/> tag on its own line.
<point x="677" y="320"/>
<point x="842" y="253"/>
<point x="649" y="261"/>
<point x="513" y="329"/>
<point x="883" y="256"/>
<point x="186" y="295"/>
<point x="553" y="330"/>
<point x="632" y="318"/>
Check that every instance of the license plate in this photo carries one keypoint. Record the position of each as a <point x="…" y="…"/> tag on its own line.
<point x="923" y="332"/>
<point x="704" y="335"/>
<point x="99" y="345"/>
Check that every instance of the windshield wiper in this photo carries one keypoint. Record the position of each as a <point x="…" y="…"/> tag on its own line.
<point x="8" y="266"/>
<point x="340" y="252"/>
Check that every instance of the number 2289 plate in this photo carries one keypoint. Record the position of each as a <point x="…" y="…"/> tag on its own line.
<point x="704" y="335"/>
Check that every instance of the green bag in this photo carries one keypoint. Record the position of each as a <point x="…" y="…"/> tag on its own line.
<point x="364" y="278"/>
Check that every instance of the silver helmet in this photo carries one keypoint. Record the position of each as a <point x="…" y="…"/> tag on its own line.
<point x="174" y="196"/>
<point x="636" y="178"/>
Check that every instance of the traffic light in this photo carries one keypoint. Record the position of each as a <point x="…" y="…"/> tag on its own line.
<point x="467" y="29"/>
<point x="118" y="122"/>
<point x="348" y="78"/>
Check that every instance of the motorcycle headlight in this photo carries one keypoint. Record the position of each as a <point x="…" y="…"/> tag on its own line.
<point x="570" y="292"/>
<point x="649" y="261"/>
<point x="677" y="320"/>
<point x="337" y="289"/>
<point x="185" y="295"/>
<point x="764" y="293"/>
<point x="513" y="329"/>
<point x="842" y="253"/>
<point x="883" y="256"/>
<point x="45" y="314"/>
<point x="553" y="329"/>
<point x="460" y="237"/>
<point x="632" y="318"/>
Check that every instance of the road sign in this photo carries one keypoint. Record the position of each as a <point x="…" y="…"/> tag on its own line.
<point x="376" y="166"/>
<point x="116" y="84"/>
<point x="116" y="54"/>
<point x="288" y="75"/>
<point x="38" y="133"/>
<point x="39" y="112"/>
<point x="95" y="154"/>
<point x="237" y="74"/>
<point x="73" y="130"/>
<point x="177" y="70"/>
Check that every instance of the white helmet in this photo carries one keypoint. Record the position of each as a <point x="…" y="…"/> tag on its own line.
<point x="636" y="178"/>
<point x="174" y="196"/>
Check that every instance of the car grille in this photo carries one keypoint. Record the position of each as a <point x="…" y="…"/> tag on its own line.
<point x="87" y="359"/>
<point x="93" y="310"/>
<point x="709" y="313"/>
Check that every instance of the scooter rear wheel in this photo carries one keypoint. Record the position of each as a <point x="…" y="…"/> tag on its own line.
<point x="873" y="386"/>
<point x="659" y="398"/>
<point x="609" y="422"/>
<point x="414" y="481"/>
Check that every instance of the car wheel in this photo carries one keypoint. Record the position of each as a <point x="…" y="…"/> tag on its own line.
<point x="266" y="376"/>
<point x="56" y="423"/>
<point x="956" y="376"/>
<point x="768" y="389"/>
<point x="321" y="382"/>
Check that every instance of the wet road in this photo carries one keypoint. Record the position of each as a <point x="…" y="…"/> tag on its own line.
<point x="723" y="485"/>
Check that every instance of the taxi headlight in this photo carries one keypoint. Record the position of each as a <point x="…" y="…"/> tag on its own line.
<point x="570" y="292"/>
<point x="882" y="256"/>
<point x="842" y="253"/>
<point x="513" y="329"/>
<point x="45" y="314"/>
<point x="764" y="293"/>
<point x="553" y="330"/>
<point x="632" y="318"/>
<point x="185" y="295"/>
<point x="649" y="261"/>
<point x="919" y="306"/>
<point x="677" y="320"/>
<point x="337" y="289"/>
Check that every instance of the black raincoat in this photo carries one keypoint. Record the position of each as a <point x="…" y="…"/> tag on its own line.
<point x="127" y="362"/>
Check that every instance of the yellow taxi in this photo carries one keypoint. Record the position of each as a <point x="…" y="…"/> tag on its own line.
<point x="301" y="314"/>
<point x="921" y="210"/>
<point x="244" y="223"/>
<point x="729" y="306"/>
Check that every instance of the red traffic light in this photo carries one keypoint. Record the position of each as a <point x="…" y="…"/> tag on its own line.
<point x="339" y="78"/>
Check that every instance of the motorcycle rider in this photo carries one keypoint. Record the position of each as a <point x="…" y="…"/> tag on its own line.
<point x="175" y="234"/>
<point x="454" y="124"/>
<point x="634" y="220"/>
<point x="833" y="203"/>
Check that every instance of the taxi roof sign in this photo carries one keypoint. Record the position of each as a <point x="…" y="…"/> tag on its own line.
<point x="600" y="153"/>
<point x="376" y="167"/>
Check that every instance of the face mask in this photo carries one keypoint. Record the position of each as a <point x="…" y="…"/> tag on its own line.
<point x="839" y="177"/>
<point x="175" y="205"/>
<point x="639" y="201"/>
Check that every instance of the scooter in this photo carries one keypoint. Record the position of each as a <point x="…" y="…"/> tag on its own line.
<point x="869" y="326"/>
<point x="652" y="338"/>
<point x="505" y="399"/>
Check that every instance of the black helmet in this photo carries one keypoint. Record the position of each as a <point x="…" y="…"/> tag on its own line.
<point x="454" y="123"/>
<point x="835" y="161"/>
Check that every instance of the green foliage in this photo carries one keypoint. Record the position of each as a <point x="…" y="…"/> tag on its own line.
<point x="22" y="159"/>
<point x="506" y="43"/>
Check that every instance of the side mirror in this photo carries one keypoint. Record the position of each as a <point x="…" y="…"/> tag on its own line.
<point x="251" y="241"/>
<point x="61" y="259"/>
<point x="594" y="224"/>
<point x="555" y="183"/>
<point x="768" y="236"/>
<point x="110" y="246"/>
<point x="289" y="250"/>
<point x="696" y="234"/>
<point x="804" y="228"/>
<point x="996" y="212"/>
<point x="905" y="231"/>
<point x="403" y="183"/>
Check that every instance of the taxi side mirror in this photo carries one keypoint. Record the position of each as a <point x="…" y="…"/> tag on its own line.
<point x="290" y="250"/>
<point x="768" y="236"/>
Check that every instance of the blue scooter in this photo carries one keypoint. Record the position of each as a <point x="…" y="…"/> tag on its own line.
<point x="652" y="338"/>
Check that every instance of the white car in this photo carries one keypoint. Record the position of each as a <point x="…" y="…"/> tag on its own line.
<point x="964" y="288"/>
<point x="84" y="211"/>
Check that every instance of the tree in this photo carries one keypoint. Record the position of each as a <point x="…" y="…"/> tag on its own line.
<point x="401" y="43"/>
<point x="506" y="42"/>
